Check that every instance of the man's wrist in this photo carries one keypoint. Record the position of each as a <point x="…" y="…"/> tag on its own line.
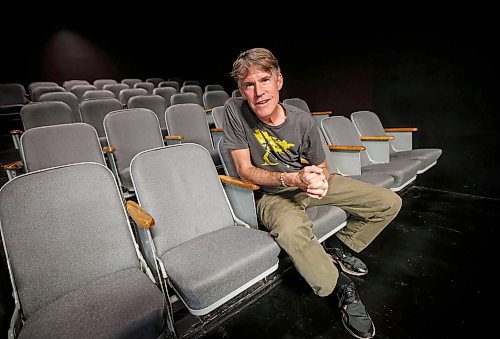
<point x="282" y="179"/>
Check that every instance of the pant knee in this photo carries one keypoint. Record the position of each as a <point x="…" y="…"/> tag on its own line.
<point x="393" y="202"/>
<point x="291" y="237"/>
<point x="397" y="202"/>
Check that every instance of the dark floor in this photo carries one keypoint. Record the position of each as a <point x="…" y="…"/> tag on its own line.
<point x="431" y="276"/>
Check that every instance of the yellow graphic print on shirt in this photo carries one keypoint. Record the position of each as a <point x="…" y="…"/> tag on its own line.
<point x="271" y="142"/>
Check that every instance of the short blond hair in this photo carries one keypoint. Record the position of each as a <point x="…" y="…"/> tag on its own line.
<point x="261" y="58"/>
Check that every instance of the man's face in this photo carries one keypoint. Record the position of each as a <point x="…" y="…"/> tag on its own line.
<point x="261" y="89"/>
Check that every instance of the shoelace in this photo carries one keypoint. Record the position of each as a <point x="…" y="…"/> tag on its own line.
<point x="347" y="294"/>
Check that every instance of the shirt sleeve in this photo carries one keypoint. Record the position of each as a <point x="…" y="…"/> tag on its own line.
<point x="314" y="151"/>
<point x="235" y="136"/>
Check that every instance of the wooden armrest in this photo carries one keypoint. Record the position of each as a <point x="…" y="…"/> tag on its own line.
<point x="174" y="137"/>
<point x="208" y="110"/>
<point x="142" y="218"/>
<point x="376" y="138"/>
<point x="322" y="113"/>
<point x="346" y="148"/>
<point x="16" y="131"/>
<point x="109" y="149"/>
<point x="216" y="130"/>
<point x="401" y="129"/>
<point x="237" y="182"/>
<point x="12" y="166"/>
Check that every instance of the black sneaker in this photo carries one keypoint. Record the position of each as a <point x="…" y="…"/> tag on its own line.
<point x="347" y="262"/>
<point x="354" y="315"/>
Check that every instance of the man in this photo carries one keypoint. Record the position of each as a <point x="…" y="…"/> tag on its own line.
<point x="267" y="141"/>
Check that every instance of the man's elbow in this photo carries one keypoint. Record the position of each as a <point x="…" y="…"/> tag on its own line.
<point x="244" y="174"/>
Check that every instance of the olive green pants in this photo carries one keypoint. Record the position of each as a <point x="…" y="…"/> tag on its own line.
<point x="372" y="208"/>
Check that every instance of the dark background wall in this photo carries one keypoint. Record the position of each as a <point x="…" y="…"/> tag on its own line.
<point x="440" y="79"/>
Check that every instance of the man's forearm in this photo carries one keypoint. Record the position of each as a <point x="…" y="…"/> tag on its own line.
<point x="260" y="176"/>
<point x="263" y="177"/>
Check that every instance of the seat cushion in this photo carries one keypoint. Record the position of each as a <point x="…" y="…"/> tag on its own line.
<point x="401" y="171"/>
<point x="426" y="156"/>
<point x="381" y="180"/>
<point x="325" y="218"/>
<point x="126" y="304"/>
<point x="209" y="267"/>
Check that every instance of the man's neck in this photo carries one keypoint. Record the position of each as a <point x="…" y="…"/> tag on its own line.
<point x="276" y="118"/>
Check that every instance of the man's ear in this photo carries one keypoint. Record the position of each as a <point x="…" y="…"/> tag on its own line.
<point x="280" y="81"/>
<point x="242" y="94"/>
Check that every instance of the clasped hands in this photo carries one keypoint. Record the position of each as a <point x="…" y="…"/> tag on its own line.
<point x="313" y="181"/>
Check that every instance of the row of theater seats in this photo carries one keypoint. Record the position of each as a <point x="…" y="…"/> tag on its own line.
<point x="361" y="146"/>
<point x="14" y="95"/>
<point x="158" y="101"/>
<point x="121" y="133"/>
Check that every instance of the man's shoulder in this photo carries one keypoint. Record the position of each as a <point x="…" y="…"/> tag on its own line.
<point x="298" y="113"/>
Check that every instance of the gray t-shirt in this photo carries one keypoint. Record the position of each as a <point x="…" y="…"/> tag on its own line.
<point x="273" y="148"/>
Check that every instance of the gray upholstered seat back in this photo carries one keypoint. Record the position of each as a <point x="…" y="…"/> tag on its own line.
<point x="126" y="94"/>
<point x="170" y="83"/>
<point x="66" y="97"/>
<point x="12" y="94"/>
<point x="155" y="81"/>
<point x="67" y="239"/>
<point x="189" y="120"/>
<point x="165" y="92"/>
<point x="340" y="131"/>
<point x="36" y="84"/>
<point x="131" y="131"/>
<point x="98" y="94"/>
<point x="218" y="114"/>
<point x="93" y="112"/>
<point x="213" y="87"/>
<point x="329" y="157"/>
<point x="367" y="123"/>
<point x="184" y="98"/>
<point x="148" y="86"/>
<point x="115" y="88"/>
<point x="213" y="99"/>
<point x="46" y="113"/>
<point x="155" y="103"/>
<point x="297" y="102"/>
<point x="131" y="82"/>
<point x="235" y="93"/>
<point x="69" y="84"/>
<point x="194" y="89"/>
<point x="99" y="83"/>
<point x="40" y="90"/>
<point x="49" y="146"/>
<point x="184" y="203"/>
<point x="79" y="90"/>
<point x="191" y="82"/>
